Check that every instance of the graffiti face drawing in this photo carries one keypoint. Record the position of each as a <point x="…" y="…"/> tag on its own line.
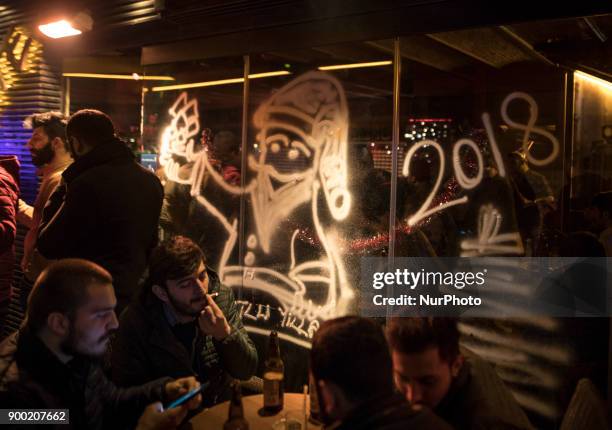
<point x="304" y="125"/>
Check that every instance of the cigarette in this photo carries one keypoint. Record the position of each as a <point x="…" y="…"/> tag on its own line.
<point x="213" y="295"/>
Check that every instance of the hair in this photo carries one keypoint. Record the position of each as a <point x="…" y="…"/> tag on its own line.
<point x="415" y="335"/>
<point x="174" y="258"/>
<point x="225" y="145"/>
<point x="352" y="353"/>
<point x="62" y="287"/>
<point x="53" y="123"/>
<point x="91" y="127"/>
<point x="603" y="202"/>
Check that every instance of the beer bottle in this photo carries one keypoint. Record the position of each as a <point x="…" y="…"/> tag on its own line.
<point x="273" y="377"/>
<point x="235" y="418"/>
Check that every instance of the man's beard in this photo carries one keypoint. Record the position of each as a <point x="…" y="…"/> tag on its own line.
<point x="42" y="156"/>
<point x="69" y="346"/>
<point x="185" y="310"/>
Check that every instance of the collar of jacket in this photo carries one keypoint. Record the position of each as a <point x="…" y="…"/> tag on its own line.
<point x="44" y="366"/>
<point x="114" y="150"/>
<point x="375" y="412"/>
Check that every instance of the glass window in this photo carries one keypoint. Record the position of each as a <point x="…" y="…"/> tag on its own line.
<point x="120" y="98"/>
<point x="195" y="124"/>
<point x="592" y="153"/>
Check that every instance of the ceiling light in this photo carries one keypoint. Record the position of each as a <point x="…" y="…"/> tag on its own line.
<point x="356" y="65"/>
<point x="607" y="85"/>
<point x="219" y="82"/>
<point x="59" y="29"/>
<point x="132" y="77"/>
<point x="64" y="28"/>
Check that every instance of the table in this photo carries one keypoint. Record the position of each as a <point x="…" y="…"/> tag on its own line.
<point x="215" y="417"/>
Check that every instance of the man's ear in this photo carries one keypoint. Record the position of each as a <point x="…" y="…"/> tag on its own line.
<point x="58" y="144"/>
<point x="457" y="365"/>
<point x="334" y="401"/>
<point x="77" y="147"/>
<point x="160" y="293"/>
<point x="328" y="397"/>
<point x="58" y="324"/>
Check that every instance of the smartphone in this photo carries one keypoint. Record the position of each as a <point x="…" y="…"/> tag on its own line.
<point x="186" y="397"/>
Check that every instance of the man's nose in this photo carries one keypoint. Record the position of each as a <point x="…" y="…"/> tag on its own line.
<point x="114" y="322"/>
<point x="416" y="393"/>
<point x="198" y="287"/>
<point x="406" y="390"/>
<point x="204" y="283"/>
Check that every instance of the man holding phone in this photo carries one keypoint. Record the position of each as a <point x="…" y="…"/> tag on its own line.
<point x="183" y="322"/>
<point x="54" y="360"/>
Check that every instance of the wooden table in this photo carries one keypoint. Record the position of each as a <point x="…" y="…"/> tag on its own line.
<point x="215" y="417"/>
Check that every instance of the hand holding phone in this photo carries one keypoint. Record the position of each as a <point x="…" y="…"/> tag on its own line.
<point x="185" y="397"/>
<point x="155" y="417"/>
<point x="183" y="390"/>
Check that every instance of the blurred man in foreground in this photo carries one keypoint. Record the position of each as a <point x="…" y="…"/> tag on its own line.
<point x="461" y="388"/>
<point x="351" y="367"/>
<point x="54" y="360"/>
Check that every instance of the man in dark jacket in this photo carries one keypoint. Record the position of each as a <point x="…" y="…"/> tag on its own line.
<point x="431" y="370"/>
<point x="107" y="207"/>
<point x="184" y="322"/>
<point x="53" y="362"/>
<point x="351" y="367"/>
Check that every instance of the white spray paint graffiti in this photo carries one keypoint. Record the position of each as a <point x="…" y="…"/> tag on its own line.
<point x="306" y="118"/>
<point x="489" y="240"/>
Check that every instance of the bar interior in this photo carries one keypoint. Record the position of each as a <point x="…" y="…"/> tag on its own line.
<point x="321" y="160"/>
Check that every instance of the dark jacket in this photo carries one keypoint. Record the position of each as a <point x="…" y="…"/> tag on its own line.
<point x="109" y="212"/>
<point x="391" y="413"/>
<point x="479" y="400"/>
<point x="9" y="195"/>
<point x="146" y="348"/>
<point x="31" y="376"/>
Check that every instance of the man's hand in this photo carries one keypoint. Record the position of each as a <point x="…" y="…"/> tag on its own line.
<point x="155" y="418"/>
<point x="178" y="387"/>
<point x="212" y="321"/>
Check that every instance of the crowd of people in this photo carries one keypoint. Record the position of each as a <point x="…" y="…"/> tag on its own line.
<point x="92" y="237"/>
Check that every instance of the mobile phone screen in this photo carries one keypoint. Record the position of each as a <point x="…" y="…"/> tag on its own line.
<point x="186" y="397"/>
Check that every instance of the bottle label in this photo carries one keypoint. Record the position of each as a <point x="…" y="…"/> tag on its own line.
<point x="272" y="387"/>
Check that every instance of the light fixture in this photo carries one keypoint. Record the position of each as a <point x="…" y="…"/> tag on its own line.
<point x="132" y="77"/>
<point x="356" y="65"/>
<point x="58" y="29"/>
<point x="220" y="82"/>
<point x="64" y="28"/>
<point x="607" y="85"/>
<point x="263" y="75"/>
